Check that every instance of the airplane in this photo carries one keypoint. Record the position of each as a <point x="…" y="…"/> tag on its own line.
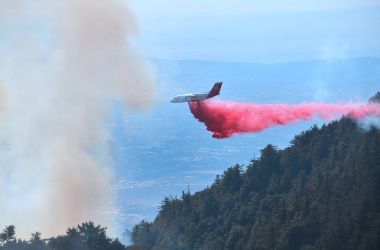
<point x="199" y="97"/>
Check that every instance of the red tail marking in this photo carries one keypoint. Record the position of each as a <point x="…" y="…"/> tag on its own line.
<point x="215" y="90"/>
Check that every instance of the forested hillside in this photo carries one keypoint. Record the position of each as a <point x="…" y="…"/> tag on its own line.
<point x="321" y="192"/>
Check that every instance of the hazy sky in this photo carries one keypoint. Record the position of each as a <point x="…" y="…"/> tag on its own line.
<point x="258" y="31"/>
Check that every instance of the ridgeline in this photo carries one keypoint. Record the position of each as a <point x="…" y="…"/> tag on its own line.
<point x="321" y="192"/>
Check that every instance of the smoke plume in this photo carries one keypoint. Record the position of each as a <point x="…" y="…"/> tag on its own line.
<point x="62" y="64"/>
<point x="225" y="119"/>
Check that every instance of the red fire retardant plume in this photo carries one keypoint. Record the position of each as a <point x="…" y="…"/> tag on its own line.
<point x="225" y="119"/>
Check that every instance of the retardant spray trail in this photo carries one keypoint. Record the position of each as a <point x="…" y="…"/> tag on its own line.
<point x="225" y="119"/>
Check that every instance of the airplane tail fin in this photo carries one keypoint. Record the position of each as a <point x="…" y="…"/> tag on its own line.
<point x="215" y="90"/>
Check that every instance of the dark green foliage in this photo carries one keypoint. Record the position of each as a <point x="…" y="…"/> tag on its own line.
<point x="322" y="192"/>
<point x="86" y="236"/>
<point x="8" y="234"/>
<point x="375" y="98"/>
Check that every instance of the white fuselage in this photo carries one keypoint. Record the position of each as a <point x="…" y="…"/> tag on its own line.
<point x="199" y="97"/>
<point x="190" y="97"/>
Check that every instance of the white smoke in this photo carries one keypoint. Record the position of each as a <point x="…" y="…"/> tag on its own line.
<point x="369" y="122"/>
<point x="62" y="63"/>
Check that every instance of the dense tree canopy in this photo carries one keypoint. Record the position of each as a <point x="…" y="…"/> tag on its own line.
<point x="321" y="192"/>
<point x="375" y="98"/>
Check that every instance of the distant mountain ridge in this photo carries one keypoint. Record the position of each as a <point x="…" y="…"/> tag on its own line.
<point x="345" y="77"/>
<point x="321" y="192"/>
